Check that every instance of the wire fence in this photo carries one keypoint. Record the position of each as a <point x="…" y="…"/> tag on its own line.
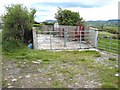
<point x="108" y="43"/>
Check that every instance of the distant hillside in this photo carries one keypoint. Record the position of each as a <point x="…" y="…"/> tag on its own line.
<point x="50" y="21"/>
<point x="112" y="22"/>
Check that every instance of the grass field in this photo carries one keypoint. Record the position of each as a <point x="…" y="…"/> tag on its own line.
<point x="111" y="29"/>
<point x="59" y="69"/>
<point x="107" y="44"/>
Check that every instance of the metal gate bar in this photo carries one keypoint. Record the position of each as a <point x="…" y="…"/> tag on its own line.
<point x="67" y="40"/>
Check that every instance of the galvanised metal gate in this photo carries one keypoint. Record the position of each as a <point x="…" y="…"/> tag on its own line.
<point x="64" y="40"/>
<point x="108" y="42"/>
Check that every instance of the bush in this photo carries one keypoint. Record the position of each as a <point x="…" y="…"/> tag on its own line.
<point x="111" y="30"/>
<point x="37" y="25"/>
<point x="10" y="44"/>
<point x="18" y="22"/>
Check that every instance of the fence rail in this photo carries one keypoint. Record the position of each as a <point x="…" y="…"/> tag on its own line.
<point x="108" y="43"/>
<point x="66" y="37"/>
<point x="64" y="40"/>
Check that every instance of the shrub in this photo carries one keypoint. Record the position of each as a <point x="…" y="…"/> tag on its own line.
<point x="10" y="44"/>
<point x="18" y="22"/>
<point x="37" y="25"/>
<point x="111" y="30"/>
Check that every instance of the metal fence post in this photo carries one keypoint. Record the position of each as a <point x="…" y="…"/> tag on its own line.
<point x="96" y="39"/>
<point x="110" y="47"/>
<point x="80" y="39"/>
<point x="65" y="38"/>
<point x="50" y="41"/>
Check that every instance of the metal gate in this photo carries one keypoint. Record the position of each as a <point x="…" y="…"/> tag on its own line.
<point x="108" y="42"/>
<point x="64" y="39"/>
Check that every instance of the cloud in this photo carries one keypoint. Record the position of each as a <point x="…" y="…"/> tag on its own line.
<point x="102" y="13"/>
<point x="65" y="4"/>
<point x="88" y="9"/>
<point x="42" y="10"/>
<point x="100" y="10"/>
<point x="49" y="15"/>
<point x="81" y="3"/>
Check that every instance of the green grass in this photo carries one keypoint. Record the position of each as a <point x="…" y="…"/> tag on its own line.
<point x="103" y="33"/>
<point x="111" y="29"/>
<point x="4" y="83"/>
<point x="75" y="62"/>
<point x="104" y="42"/>
<point x="28" y="54"/>
<point x="0" y="43"/>
<point x="109" y="73"/>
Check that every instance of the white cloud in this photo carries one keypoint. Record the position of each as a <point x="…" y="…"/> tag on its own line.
<point x="100" y="13"/>
<point x="109" y="10"/>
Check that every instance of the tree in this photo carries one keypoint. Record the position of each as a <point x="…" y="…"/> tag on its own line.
<point x="33" y="11"/>
<point x="17" y="21"/>
<point x="48" y="23"/>
<point x="67" y="17"/>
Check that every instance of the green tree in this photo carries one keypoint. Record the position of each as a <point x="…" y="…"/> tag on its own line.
<point x="33" y="11"/>
<point x="17" y="21"/>
<point x="67" y="17"/>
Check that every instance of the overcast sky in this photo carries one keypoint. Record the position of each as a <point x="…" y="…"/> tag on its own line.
<point x="88" y="9"/>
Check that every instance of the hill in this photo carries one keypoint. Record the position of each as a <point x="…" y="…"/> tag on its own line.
<point x="112" y="22"/>
<point x="50" y="21"/>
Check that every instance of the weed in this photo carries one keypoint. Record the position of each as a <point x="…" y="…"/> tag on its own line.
<point x="109" y="85"/>
<point x="4" y="83"/>
<point x="112" y="59"/>
<point x="57" y="84"/>
<point x="83" y="59"/>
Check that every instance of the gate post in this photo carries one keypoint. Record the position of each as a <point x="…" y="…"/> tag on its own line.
<point x="80" y="39"/>
<point x="65" y="38"/>
<point x="96" y="39"/>
<point x="35" y="46"/>
<point x="50" y="41"/>
<point x="110" y="42"/>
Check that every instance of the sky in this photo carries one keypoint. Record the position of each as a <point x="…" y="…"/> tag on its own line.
<point x="88" y="9"/>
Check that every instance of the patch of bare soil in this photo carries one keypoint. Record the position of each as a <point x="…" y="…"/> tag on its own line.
<point x="107" y="56"/>
<point x="57" y="74"/>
